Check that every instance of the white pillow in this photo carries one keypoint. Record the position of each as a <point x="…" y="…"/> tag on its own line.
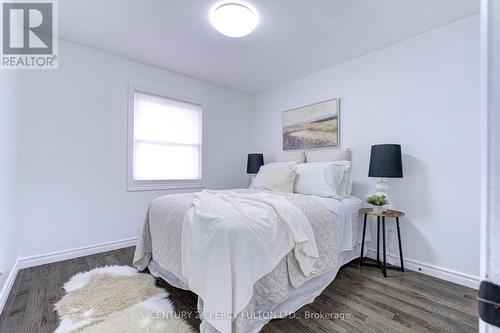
<point x="326" y="155"/>
<point x="329" y="155"/>
<point x="289" y="157"/>
<point x="276" y="177"/>
<point x="325" y="179"/>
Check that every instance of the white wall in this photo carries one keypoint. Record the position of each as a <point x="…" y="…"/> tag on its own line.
<point x="424" y="94"/>
<point x="74" y="148"/>
<point x="9" y="95"/>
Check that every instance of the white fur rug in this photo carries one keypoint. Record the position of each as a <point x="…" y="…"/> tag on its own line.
<point x="116" y="299"/>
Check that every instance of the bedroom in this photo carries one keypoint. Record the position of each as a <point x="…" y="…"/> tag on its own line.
<point x="127" y="123"/>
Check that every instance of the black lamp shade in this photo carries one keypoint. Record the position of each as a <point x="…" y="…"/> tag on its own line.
<point x="385" y="161"/>
<point x="254" y="162"/>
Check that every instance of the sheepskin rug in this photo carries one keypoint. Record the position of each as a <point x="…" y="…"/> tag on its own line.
<point x="116" y="299"/>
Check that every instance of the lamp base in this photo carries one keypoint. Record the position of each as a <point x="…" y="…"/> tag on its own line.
<point x="382" y="188"/>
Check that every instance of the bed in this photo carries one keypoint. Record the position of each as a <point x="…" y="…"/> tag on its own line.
<point x="280" y="292"/>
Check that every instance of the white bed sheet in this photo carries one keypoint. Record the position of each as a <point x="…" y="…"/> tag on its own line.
<point x="348" y="226"/>
<point x="348" y="233"/>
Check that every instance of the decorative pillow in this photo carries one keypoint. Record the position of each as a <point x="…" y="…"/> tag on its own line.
<point x="329" y="155"/>
<point x="276" y="177"/>
<point x="325" y="179"/>
<point x="290" y="157"/>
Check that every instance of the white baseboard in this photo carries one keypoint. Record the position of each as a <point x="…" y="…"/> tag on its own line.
<point x="48" y="258"/>
<point x="7" y="287"/>
<point x="432" y="270"/>
<point x="31" y="261"/>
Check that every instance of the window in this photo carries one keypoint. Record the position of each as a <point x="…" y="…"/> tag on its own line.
<point x="164" y="143"/>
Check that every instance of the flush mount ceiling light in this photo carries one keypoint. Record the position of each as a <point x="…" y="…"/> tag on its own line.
<point x="234" y="18"/>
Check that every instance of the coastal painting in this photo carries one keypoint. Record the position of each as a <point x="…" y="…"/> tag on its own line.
<point x="312" y="126"/>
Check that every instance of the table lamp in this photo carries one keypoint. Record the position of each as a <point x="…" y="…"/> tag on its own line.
<point x="385" y="162"/>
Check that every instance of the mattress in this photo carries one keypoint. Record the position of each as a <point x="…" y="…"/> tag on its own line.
<point x="274" y="291"/>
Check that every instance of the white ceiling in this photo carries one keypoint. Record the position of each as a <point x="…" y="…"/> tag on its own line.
<point x="295" y="37"/>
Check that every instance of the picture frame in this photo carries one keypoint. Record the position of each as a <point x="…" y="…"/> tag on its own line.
<point x="312" y="126"/>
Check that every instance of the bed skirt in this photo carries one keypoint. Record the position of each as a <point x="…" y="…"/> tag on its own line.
<point x="298" y="297"/>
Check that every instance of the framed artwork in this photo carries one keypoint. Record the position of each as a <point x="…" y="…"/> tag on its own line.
<point x="312" y="126"/>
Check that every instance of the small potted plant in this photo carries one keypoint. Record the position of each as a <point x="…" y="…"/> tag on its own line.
<point x="379" y="202"/>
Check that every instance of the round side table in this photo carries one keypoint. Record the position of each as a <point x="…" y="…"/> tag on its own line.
<point x="381" y="216"/>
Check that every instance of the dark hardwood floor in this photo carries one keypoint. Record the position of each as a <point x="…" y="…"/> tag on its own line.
<point x="368" y="302"/>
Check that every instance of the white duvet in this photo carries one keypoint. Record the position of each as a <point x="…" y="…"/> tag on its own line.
<point x="230" y="240"/>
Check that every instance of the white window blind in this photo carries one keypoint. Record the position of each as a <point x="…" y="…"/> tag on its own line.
<point x="166" y="139"/>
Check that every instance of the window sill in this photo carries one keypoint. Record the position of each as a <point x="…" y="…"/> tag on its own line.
<point x="138" y="186"/>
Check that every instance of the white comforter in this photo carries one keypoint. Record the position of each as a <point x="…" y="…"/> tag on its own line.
<point x="230" y="240"/>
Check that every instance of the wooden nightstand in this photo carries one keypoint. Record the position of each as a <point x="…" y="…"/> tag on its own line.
<point x="390" y="213"/>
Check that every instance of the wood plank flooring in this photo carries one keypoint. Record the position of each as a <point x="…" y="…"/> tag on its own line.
<point x="358" y="300"/>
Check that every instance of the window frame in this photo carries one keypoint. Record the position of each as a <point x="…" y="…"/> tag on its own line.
<point x="157" y="185"/>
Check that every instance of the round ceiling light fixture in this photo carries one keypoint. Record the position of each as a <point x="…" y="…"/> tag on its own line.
<point x="234" y="18"/>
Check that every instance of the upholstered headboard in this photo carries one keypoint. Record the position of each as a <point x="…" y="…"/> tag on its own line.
<point x="316" y="155"/>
